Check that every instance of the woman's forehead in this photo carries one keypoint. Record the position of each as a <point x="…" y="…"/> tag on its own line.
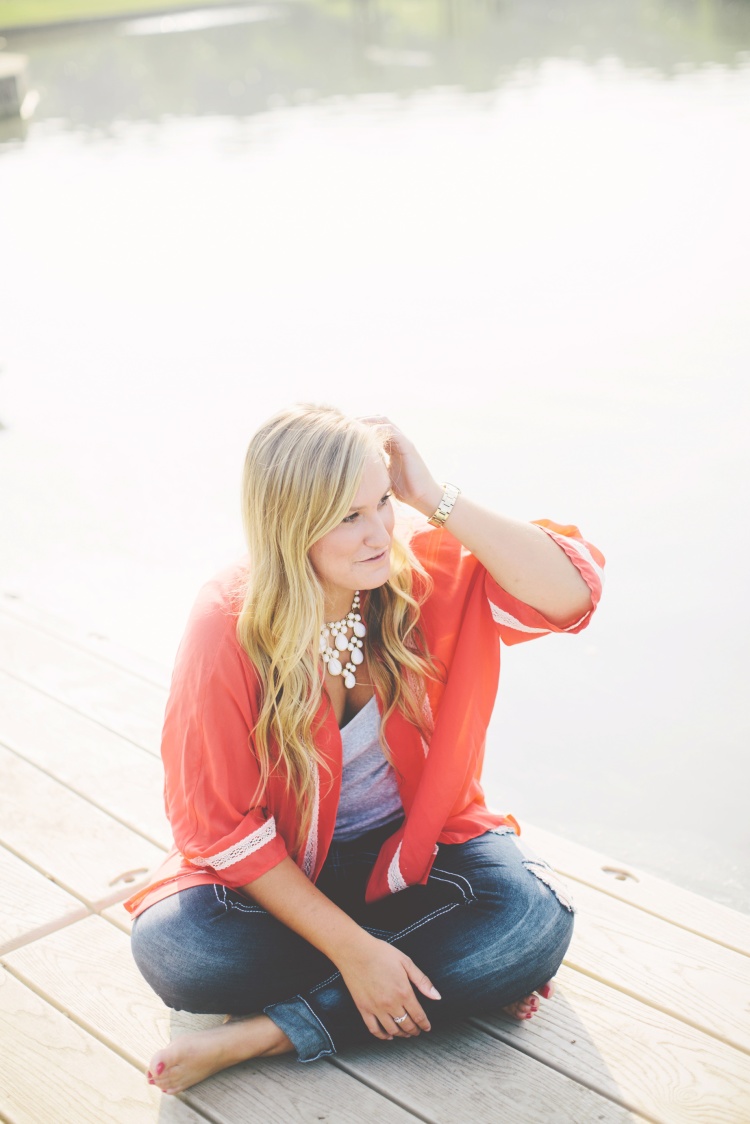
<point x="375" y="482"/>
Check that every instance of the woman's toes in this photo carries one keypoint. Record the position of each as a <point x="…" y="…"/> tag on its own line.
<point x="548" y="990"/>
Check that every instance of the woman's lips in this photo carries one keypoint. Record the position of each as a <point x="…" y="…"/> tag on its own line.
<point x="376" y="557"/>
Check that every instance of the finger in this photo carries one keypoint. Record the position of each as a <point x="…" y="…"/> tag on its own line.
<point x="375" y="1028"/>
<point x="417" y="1017"/>
<point x="406" y="1029"/>
<point x="420" y="980"/>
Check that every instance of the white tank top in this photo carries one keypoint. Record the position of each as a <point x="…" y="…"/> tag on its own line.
<point x="369" y="792"/>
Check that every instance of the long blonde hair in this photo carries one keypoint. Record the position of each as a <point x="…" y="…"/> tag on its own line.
<point x="302" y="471"/>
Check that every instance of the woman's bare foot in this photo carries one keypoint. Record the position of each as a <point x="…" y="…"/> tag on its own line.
<point x="194" y="1057"/>
<point x="529" y="1005"/>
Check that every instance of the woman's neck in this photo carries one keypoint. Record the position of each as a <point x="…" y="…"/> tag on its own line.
<point x="336" y="608"/>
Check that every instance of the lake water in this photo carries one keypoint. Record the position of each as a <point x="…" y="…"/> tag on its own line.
<point x="519" y="229"/>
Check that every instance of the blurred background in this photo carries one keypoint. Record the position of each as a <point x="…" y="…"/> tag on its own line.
<point x="518" y="227"/>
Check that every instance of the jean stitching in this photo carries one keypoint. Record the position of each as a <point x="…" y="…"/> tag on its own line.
<point x="423" y="921"/>
<point x="454" y="874"/>
<point x="221" y="897"/>
<point x="325" y="983"/>
<point x="450" y="882"/>
<point x="333" y="1048"/>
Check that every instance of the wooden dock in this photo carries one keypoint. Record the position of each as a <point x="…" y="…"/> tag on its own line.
<point x="651" y="1021"/>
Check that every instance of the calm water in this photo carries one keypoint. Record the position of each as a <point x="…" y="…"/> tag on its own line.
<point x="518" y="228"/>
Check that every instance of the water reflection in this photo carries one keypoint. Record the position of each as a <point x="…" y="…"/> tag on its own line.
<point x="244" y="60"/>
<point x="523" y="226"/>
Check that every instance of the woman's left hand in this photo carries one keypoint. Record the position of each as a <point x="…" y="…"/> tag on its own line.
<point x="412" y="481"/>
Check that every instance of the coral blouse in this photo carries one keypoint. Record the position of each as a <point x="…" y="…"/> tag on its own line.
<point x="222" y="834"/>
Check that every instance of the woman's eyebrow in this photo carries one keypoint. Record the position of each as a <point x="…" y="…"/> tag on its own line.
<point x="353" y="509"/>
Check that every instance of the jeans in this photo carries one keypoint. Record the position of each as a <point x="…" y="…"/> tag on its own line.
<point x="490" y="926"/>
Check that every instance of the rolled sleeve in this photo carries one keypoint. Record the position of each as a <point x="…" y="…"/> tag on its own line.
<point x="252" y="849"/>
<point x="516" y="621"/>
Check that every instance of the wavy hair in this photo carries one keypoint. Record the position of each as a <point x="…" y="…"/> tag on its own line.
<point x="302" y="471"/>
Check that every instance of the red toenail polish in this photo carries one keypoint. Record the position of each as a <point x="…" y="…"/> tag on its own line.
<point x="159" y="1069"/>
<point x="151" y="1081"/>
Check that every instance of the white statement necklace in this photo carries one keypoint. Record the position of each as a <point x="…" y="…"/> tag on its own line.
<point x="335" y="641"/>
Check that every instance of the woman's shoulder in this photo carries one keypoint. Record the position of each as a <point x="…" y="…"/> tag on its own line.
<point x="212" y="624"/>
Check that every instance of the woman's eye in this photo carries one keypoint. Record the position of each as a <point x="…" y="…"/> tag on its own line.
<point x="386" y="498"/>
<point x="350" y="518"/>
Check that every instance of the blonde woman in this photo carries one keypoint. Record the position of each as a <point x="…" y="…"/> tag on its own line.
<point x="337" y="875"/>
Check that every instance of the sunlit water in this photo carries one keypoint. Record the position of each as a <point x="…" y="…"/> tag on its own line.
<point x="521" y="231"/>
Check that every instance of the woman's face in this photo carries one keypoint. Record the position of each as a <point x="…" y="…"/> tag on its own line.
<point x="357" y="553"/>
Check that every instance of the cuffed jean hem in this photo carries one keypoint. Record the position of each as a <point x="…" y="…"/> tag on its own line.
<point x="296" y="1018"/>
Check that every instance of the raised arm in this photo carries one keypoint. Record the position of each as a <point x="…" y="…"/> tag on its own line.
<point x="521" y="557"/>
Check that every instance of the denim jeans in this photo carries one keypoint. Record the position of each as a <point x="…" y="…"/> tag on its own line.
<point x="491" y="925"/>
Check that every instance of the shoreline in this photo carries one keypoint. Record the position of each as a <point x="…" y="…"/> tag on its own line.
<point x="90" y="13"/>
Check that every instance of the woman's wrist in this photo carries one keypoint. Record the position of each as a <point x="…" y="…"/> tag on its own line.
<point x="353" y="947"/>
<point x="428" y="502"/>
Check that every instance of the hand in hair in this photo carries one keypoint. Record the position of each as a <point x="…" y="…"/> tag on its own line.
<point x="412" y="480"/>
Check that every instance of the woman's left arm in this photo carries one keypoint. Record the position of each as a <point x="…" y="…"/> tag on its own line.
<point x="521" y="557"/>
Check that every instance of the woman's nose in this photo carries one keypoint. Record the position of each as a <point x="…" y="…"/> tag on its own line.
<point x="378" y="532"/>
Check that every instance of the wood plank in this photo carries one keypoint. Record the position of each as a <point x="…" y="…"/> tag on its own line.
<point x="681" y="907"/>
<point x="52" y="1070"/>
<point x="92" y="642"/>
<point x="87" y="969"/>
<point x="464" y="1074"/>
<point x="66" y="838"/>
<point x="119" y="916"/>
<point x="105" y="768"/>
<point x="29" y="903"/>
<point x="120" y="701"/>
<point x="682" y="974"/>
<point x="649" y="1061"/>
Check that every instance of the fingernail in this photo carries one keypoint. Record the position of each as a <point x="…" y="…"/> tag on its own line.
<point x="160" y="1069"/>
<point x="434" y="993"/>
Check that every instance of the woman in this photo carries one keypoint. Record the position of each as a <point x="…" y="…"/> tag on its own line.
<point x="337" y="874"/>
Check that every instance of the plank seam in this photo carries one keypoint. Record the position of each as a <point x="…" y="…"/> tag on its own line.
<point x="652" y="913"/>
<point x="82" y="713"/>
<point x="40" y="931"/>
<point x="88" y="649"/>
<point x="351" y="1071"/>
<point x="58" y="701"/>
<point x="83" y="796"/>
<point x="537" y="1055"/>
<point x="103" y="1039"/>
<point x="656" y="1007"/>
<point x="94" y="905"/>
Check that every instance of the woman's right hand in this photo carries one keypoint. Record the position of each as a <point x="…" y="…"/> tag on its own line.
<point x="381" y="980"/>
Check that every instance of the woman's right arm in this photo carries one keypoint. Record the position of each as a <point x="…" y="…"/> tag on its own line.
<point x="379" y="976"/>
